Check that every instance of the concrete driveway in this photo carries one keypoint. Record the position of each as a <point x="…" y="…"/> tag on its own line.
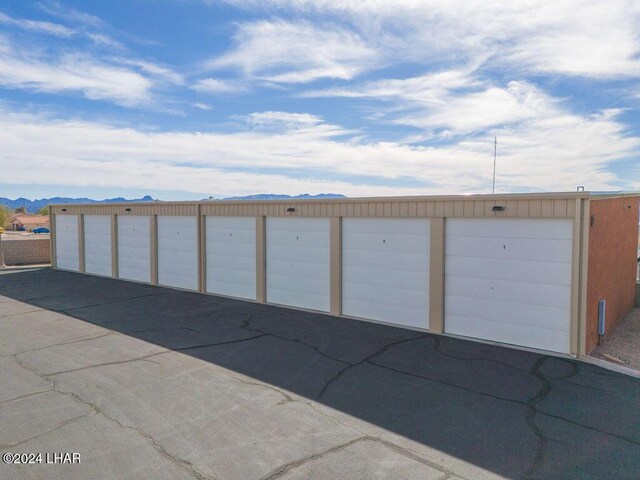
<point x="146" y="383"/>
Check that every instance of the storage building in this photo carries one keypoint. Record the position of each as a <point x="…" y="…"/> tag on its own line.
<point x="523" y="270"/>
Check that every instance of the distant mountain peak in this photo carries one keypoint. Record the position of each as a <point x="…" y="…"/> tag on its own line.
<point x="33" y="206"/>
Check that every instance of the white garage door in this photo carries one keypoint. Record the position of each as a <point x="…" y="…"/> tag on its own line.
<point x="298" y="262"/>
<point x="509" y="280"/>
<point x="385" y="270"/>
<point x="231" y="256"/>
<point x="178" y="251"/>
<point x="134" y="247"/>
<point x="97" y="244"/>
<point x="67" y="253"/>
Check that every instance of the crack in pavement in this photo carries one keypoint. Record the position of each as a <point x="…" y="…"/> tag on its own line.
<point x="55" y="427"/>
<point x="22" y="397"/>
<point x="448" y="384"/>
<point x="184" y="464"/>
<point x="20" y="313"/>
<point x="67" y="310"/>
<point x="246" y="326"/>
<point x="281" y="470"/>
<point x="205" y="345"/>
<point x="111" y="302"/>
<point x="77" y="340"/>
<point x="151" y="355"/>
<point x="542" y="393"/>
<point x="287" y="467"/>
<point x="380" y="351"/>
<point x="106" y="364"/>
<point x="437" y="348"/>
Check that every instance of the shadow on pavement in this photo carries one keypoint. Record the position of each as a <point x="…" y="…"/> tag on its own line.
<point x="514" y="413"/>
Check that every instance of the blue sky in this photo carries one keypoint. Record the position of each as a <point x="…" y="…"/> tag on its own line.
<point x="183" y="99"/>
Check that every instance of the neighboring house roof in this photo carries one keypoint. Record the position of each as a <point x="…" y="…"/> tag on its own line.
<point x="23" y="219"/>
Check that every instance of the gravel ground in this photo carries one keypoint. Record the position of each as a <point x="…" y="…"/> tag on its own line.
<point x="624" y="342"/>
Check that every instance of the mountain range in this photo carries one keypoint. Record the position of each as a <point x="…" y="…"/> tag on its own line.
<point x="33" y="206"/>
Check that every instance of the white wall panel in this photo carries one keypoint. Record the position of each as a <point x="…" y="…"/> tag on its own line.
<point x="509" y="280"/>
<point x="178" y="251"/>
<point x="134" y="247"/>
<point x="231" y="256"/>
<point x="298" y="262"/>
<point x="97" y="244"/>
<point x="67" y="253"/>
<point x="385" y="270"/>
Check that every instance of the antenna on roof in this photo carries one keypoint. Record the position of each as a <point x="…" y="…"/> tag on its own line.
<point x="495" y="156"/>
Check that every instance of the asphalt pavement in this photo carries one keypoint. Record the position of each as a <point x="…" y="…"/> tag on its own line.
<point x="145" y="382"/>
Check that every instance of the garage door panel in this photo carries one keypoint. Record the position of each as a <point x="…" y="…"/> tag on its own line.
<point x="302" y="284"/>
<point x="395" y="314"/>
<point x="232" y="234"/>
<point x="298" y="262"/>
<point x="355" y="275"/>
<point x="303" y="299"/>
<point x="541" y="250"/>
<point x="390" y="226"/>
<point x="67" y="244"/>
<point x="232" y="262"/>
<point x="283" y="240"/>
<point x="385" y="270"/>
<point x="178" y="251"/>
<point x="390" y="261"/>
<point x="509" y="280"/>
<point x="511" y="228"/>
<point x="507" y="333"/>
<point x="97" y="244"/>
<point x="299" y="269"/>
<point x="238" y="277"/>
<point x="381" y="242"/>
<point x="392" y="297"/>
<point x="134" y="248"/>
<point x="517" y="292"/>
<point x="231" y="256"/>
<point x="298" y="253"/>
<point x="551" y="318"/>
<point x="515" y="270"/>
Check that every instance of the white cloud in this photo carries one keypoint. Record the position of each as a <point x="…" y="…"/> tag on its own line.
<point x="453" y="102"/>
<point x="296" y="52"/>
<point x="571" y="37"/>
<point x="303" y="125"/>
<point x="71" y="74"/>
<point x="61" y="31"/>
<point x="429" y="88"/>
<point x="215" y="86"/>
<point x="533" y="155"/>
<point x="69" y="14"/>
<point x="153" y="69"/>
<point x="283" y="118"/>
<point x="201" y="106"/>
<point x="465" y="113"/>
<point x="37" y="27"/>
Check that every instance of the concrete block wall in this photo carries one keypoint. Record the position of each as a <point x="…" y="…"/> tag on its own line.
<point x="29" y="251"/>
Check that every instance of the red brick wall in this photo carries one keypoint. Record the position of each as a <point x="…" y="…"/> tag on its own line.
<point x="611" y="276"/>
<point x="30" y="251"/>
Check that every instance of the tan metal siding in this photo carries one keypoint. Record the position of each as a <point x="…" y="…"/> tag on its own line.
<point x="437" y="208"/>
